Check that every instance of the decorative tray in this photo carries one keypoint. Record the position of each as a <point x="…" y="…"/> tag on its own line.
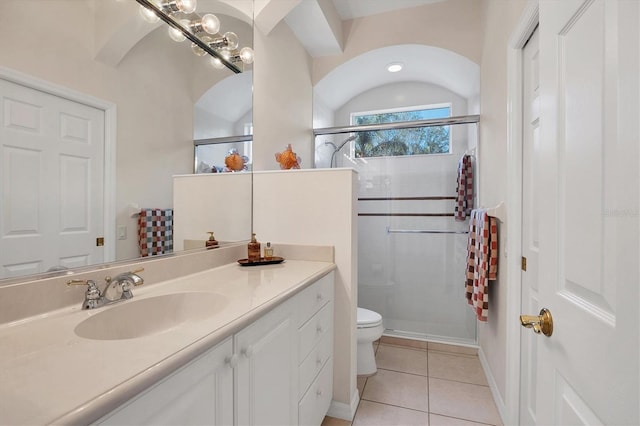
<point x="262" y="261"/>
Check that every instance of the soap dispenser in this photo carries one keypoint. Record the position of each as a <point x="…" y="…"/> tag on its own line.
<point x="211" y="243"/>
<point x="268" y="252"/>
<point x="253" y="249"/>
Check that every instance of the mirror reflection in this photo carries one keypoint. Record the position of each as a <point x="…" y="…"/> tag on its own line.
<point x="100" y="109"/>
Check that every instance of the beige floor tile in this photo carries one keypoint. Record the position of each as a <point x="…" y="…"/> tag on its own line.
<point x="410" y="343"/>
<point x="361" y="380"/>
<point x="442" y="347"/>
<point x="462" y="368"/>
<point x="332" y="421"/>
<point x="405" y="360"/>
<point x="436" y="420"/>
<point x="372" y="413"/>
<point x="400" y="389"/>
<point x="462" y="400"/>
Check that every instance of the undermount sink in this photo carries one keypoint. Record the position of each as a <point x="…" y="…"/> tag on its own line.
<point x="144" y="317"/>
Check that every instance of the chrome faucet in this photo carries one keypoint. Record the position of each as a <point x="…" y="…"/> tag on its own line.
<point x="94" y="298"/>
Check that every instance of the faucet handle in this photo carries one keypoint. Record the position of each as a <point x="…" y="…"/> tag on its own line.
<point x="93" y="297"/>
<point x="92" y="286"/>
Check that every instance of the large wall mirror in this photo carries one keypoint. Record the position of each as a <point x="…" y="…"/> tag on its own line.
<point x="89" y="88"/>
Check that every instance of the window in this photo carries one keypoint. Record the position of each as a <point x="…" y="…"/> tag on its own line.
<point x="398" y="142"/>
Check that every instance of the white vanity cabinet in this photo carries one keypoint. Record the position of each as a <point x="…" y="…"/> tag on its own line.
<point x="199" y="393"/>
<point x="315" y="351"/>
<point x="266" y="373"/>
<point x="276" y="371"/>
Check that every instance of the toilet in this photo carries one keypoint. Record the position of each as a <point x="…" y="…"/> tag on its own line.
<point x="369" y="330"/>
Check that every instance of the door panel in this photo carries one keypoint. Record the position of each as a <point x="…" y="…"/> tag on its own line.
<point x="49" y="222"/>
<point x="588" y="370"/>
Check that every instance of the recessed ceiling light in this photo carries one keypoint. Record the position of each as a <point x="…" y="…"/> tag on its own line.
<point x="394" y="66"/>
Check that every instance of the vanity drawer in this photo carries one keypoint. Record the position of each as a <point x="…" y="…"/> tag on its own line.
<point x="313" y="330"/>
<point x="315" y="403"/>
<point x="314" y="297"/>
<point x="313" y="363"/>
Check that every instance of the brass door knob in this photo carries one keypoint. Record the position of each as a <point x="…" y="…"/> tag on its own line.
<point x="542" y="323"/>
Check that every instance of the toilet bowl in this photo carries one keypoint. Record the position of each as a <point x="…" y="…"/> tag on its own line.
<point x="369" y="329"/>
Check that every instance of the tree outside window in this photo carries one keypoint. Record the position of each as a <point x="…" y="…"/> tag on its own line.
<point x="398" y="142"/>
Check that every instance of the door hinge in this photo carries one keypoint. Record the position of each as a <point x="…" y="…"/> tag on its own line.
<point x="523" y="264"/>
<point x="99" y="241"/>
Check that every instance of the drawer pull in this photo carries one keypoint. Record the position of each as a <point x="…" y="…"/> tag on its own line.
<point x="319" y="329"/>
<point x="319" y="392"/>
<point x="232" y="361"/>
<point x="319" y="297"/>
<point x="319" y="361"/>
<point x="248" y="351"/>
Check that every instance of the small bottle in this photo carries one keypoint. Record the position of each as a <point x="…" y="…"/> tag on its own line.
<point x="253" y="249"/>
<point x="211" y="243"/>
<point x="268" y="252"/>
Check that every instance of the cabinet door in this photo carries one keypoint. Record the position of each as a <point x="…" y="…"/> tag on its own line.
<point x="267" y="374"/>
<point x="199" y="393"/>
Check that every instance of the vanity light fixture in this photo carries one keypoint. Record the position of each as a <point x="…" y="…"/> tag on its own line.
<point x="184" y="24"/>
<point x="395" y="66"/>
<point x="184" y="6"/>
<point x="228" y="41"/>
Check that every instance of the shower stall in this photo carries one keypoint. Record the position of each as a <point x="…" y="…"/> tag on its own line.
<point x="411" y="251"/>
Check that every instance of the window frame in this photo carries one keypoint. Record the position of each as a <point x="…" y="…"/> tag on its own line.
<point x="441" y="105"/>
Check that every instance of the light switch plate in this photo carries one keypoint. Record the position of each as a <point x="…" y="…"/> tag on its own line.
<point x="122" y="232"/>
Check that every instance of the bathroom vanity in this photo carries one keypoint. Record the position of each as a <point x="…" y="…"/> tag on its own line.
<point x="225" y="345"/>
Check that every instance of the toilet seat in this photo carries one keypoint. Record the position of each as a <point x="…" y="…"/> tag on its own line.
<point x="368" y="319"/>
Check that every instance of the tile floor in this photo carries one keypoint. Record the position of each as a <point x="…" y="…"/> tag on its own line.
<point x="420" y="383"/>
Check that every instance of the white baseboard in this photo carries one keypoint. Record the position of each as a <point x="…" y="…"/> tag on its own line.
<point x="343" y="411"/>
<point x="500" y="405"/>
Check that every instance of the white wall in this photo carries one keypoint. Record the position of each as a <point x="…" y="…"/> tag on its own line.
<point x="500" y="17"/>
<point x="399" y="95"/>
<point x="207" y="125"/>
<point x="453" y="25"/>
<point x="219" y="202"/>
<point x="282" y="98"/>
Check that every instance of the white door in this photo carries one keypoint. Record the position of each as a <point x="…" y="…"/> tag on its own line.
<point x="588" y="369"/>
<point x="530" y="222"/>
<point x="52" y="157"/>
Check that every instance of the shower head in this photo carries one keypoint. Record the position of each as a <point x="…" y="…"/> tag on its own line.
<point x="349" y="139"/>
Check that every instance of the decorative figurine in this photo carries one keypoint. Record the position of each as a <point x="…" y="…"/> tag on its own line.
<point x="288" y="159"/>
<point x="234" y="161"/>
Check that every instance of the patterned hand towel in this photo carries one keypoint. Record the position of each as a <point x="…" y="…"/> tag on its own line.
<point x="155" y="231"/>
<point x="482" y="261"/>
<point x="464" y="189"/>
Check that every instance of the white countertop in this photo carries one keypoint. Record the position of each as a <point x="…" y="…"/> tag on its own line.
<point x="50" y="375"/>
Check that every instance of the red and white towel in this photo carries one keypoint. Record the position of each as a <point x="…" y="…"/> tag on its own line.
<point x="464" y="188"/>
<point x="155" y="231"/>
<point x="482" y="261"/>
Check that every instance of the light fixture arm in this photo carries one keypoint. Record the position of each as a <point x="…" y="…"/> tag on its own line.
<point x="196" y="40"/>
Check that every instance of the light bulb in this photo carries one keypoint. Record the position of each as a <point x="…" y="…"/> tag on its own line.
<point x="176" y="35"/>
<point x="210" y="23"/>
<point x="246" y="55"/>
<point x="216" y="63"/>
<point x="148" y="15"/>
<point x="231" y="40"/>
<point x="187" y="6"/>
<point x="197" y="49"/>
<point x="226" y="54"/>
